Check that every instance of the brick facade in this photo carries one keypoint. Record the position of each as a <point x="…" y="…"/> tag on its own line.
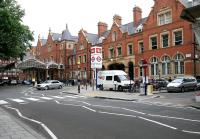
<point x="163" y="39"/>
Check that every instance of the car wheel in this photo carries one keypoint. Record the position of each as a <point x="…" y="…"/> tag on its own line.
<point x="101" y="87"/>
<point x="46" y="88"/>
<point x="60" y="87"/>
<point x="120" y="88"/>
<point x="182" y="90"/>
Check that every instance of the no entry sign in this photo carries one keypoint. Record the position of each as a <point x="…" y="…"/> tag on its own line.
<point x="96" y="57"/>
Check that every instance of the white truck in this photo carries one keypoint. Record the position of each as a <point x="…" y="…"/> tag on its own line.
<point x="113" y="79"/>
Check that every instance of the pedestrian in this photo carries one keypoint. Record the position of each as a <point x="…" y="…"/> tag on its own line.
<point x="169" y="79"/>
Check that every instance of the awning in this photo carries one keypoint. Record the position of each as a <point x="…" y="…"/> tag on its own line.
<point x="52" y="65"/>
<point x="31" y="63"/>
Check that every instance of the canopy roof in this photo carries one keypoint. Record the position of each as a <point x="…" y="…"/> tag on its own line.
<point x="31" y="63"/>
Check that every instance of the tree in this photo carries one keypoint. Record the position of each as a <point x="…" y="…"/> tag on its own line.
<point x="15" y="37"/>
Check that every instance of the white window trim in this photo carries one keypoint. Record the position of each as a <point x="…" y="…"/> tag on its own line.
<point x="150" y="44"/>
<point x="161" y="41"/>
<point x="128" y="53"/>
<point x="139" y="46"/>
<point x="164" y="12"/>
<point x="173" y="36"/>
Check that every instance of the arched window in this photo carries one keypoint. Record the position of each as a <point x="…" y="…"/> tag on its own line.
<point x="179" y="64"/>
<point x="166" y="65"/>
<point x="154" y="66"/>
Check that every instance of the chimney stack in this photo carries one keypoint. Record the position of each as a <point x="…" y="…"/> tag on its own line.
<point x="117" y="19"/>
<point x="137" y="15"/>
<point x="102" y="27"/>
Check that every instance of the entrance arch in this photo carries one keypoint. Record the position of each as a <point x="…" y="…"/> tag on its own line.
<point x="116" y="66"/>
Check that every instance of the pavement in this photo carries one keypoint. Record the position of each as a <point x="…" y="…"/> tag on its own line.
<point x="13" y="128"/>
<point x="186" y="99"/>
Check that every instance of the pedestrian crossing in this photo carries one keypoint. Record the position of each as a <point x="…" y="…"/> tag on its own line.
<point x="25" y="100"/>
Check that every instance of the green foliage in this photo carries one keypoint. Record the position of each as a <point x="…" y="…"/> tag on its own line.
<point x="14" y="36"/>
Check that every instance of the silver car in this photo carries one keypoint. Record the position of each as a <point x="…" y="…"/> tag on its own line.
<point x="50" y="84"/>
<point x="181" y="84"/>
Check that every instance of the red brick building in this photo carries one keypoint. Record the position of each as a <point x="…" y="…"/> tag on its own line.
<point x="162" y="39"/>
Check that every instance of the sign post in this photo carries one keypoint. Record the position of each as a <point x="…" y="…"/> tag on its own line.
<point x="144" y="65"/>
<point x="96" y="61"/>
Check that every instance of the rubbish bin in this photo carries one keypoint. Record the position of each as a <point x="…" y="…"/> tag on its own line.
<point x="142" y="89"/>
<point x="150" y="90"/>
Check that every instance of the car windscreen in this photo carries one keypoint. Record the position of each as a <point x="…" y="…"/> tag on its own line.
<point x="177" y="81"/>
<point x="123" y="77"/>
<point x="47" y="82"/>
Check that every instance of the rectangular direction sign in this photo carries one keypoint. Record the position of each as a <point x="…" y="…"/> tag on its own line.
<point x="96" y="57"/>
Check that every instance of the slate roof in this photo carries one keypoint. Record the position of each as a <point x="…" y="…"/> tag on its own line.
<point x="66" y="35"/>
<point x="130" y="27"/>
<point x="92" y="38"/>
<point x="56" y="36"/>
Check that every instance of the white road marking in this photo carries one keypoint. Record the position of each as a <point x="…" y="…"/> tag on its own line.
<point x="33" y="99"/>
<point x="38" y="122"/>
<point x="68" y="104"/>
<point x="89" y="109"/>
<point x="18" y="100"/>
<point x="173" y="118"/>
<point x="86" y="103"/>
<point x="133" y="111"/>
<point x="104" y="106"/>
<point x="58" y="97"/>
<point x="71" y="96"/>
<point x="2" y="102"/>
<point x="158" y="123"/>
<point x="118" y="114"/>
<point x="46" y="98"/>
<point x="191" y="132"/>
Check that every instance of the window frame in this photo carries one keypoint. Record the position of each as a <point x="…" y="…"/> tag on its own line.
<point x="129" y="45"/>
<point x="119" y="47"/>
<point x="161" y="39"/>
<point x="164" y="13"/>
<point x="173" y="34"/>
<point x="139" y="47"/>
<point x="150" y="41"/>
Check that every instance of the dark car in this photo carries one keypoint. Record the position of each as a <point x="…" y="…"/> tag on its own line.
<point x="4" y="82"/>
<point x="159" y="83"/>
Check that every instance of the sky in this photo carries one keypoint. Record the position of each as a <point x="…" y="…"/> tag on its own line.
<point x="40" y="15"/>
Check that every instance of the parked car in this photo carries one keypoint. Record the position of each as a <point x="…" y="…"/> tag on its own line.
<point x="4" y="82"/>
<point x="159" y="83"/>
<point x="181" y="84"/>
<point x="198" y="83"/>
<point x="13" y="82"/>
<point x="25" y="82"/>
<point x="50" y="84"/>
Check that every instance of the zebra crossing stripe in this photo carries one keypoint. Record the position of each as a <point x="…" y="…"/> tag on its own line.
<point x="18" y="100"/>
<point x="46" y="98"/>
<point x="32" y="99"/>
<point x="58" y="97"/>
<point x="2" y="102"/>
<point x="71" y="96"/>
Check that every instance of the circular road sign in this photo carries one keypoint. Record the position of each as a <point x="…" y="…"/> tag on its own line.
<point x="92" y="58"/>
<point x="99" y="59"/>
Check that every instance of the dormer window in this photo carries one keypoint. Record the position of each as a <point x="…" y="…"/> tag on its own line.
<point x="81" y="47"/>
<point x="164" y="17"/>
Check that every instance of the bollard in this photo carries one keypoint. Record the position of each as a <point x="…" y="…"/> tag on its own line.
<point x="79" y="86"/>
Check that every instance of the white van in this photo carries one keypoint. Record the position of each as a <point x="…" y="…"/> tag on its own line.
<point x="113" y="79"/>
